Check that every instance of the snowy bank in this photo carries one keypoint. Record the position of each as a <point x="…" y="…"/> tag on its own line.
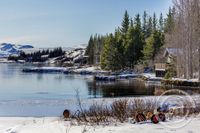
<point x="151" y="77"/>
<point x="66" y="70"/>
<point x="57" y="125"/>
<point x="4" y="60"/>
<point x="181" y="82"/>
<point x="45" y="69"/>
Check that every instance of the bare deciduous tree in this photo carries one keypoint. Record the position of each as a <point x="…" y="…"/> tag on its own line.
<point x="186" y="38"/>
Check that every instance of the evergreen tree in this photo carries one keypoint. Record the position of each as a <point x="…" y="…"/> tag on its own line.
<point x="139" y="38"/>
<point x="124" y="29"/>
<point x="125" y="23"/>
<point x="127" y="46"/>
<point x="158" y="41"/>
<point x="161" y="23"/>
<point x="135" y="43"/>
<point x="90" y="50"/>
<point x="169" y="21"/>
<point x="108" y="53"/>
<point x="132" y="23"/>
<point x="119" y="53"/>
<point x="170" y="70"/>
<point x="145" y="24"/>
<point x="138" y="22"/>
<point x="148" y="50"/>
<point x="152" y="46"/>
<point x="149" y="28"/>
<point x="154" y="22"/>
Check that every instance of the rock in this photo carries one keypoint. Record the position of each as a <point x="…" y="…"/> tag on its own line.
<point x="66" y="113"/>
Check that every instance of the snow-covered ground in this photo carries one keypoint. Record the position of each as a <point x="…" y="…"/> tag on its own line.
<point x="181" y="79"/>
<point x="151" y="77"/>
<point x="57" y="125"/>
<point x="90" y="69"/>
<point x="4" y="60"/>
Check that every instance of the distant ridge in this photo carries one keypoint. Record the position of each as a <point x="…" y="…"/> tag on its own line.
<point x="7" y="49"/>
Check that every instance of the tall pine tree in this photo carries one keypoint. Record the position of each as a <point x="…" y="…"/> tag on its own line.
<point x="149" y="27"/>
<point x="125" y="23"/>
<point x="135" y="43"/>
<point x="154" y="22"/>
<point x="90" y="50"/>
<point x="145" y="24"/>
<point x="169" y="21"/>
<point x="161" y="23"/>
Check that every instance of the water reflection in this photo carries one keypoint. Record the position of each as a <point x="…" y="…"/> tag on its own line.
<point x="121" y="88"/>
<point x="132" y="87"/>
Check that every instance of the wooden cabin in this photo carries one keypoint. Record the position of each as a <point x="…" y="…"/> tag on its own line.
<point x="165" y="56"/>
<point x="160" y="69"/>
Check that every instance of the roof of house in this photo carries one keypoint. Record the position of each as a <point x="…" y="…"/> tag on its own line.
<point x="172" y="51"/>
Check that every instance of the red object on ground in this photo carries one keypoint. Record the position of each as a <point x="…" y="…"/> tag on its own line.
<point x="155" y="119"/>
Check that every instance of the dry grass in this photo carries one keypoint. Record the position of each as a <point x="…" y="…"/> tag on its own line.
<point x="123" y="109"/>
<point x="98" y="113"/>
<point x="119" y="110"/>
<point x="142" y="106"/>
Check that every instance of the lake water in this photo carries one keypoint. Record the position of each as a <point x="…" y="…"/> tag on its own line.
<point x="31" y="94"/>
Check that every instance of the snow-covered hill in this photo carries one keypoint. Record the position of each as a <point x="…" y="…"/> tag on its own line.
<point x="7" y="49"/>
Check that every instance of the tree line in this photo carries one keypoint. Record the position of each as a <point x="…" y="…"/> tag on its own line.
<point x="136" y="41"/>
<point x="38" y="56"/>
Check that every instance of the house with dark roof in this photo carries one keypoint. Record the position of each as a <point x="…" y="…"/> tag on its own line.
<point x="162" y="60"/>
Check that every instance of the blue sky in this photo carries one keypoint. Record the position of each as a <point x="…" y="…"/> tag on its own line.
<point x="50" y="23"/>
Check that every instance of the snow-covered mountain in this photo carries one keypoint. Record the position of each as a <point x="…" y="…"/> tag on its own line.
<point x="7" y="49"/>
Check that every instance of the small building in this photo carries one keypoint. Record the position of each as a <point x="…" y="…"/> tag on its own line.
<point x="170" y="54"/>
<point x="160" y="69"/>
<point x="165" y="56"/>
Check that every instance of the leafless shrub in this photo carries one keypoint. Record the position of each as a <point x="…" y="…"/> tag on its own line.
<point x="95" y="114"/>
<point x="144" y="106"/>
<point x="150" y="105"/>
<point x="197" y="108"/>
<point x="138" y="105"/>
<point x="98" y="113"/>
<point x="119" y="110"/>
<point x="122" y="109"/>
<point x="80" y="114"/>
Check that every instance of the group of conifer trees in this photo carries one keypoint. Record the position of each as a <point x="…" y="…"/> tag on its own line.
<point x="136" y="41"/>
<point x="38" y="56"/>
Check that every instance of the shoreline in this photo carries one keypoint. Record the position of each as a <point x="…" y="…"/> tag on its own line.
<point x="107" y="76"/>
